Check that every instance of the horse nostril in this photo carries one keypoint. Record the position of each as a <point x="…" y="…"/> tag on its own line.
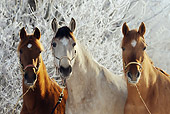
<point x="61" y="69"/>
<point x="65" y="71"/>
<point x="138" y="74"/>
<point x="69" y="69"/>
<point x="35" y="76"/>
<point x="26" y="76"/>
<point x="129" y="75"/>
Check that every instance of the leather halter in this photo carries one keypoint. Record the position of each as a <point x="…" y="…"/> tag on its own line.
<point x="30" y="65"/>
<point x="60" y="59"/>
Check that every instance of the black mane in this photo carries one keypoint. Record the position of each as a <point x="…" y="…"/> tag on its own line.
<point x="63" y="32"/>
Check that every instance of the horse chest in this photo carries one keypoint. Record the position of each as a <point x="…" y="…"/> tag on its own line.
<point x="135" y="109"/>
<point x="96" y="104"/>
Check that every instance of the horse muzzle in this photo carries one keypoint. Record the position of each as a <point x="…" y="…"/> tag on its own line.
<point x="65" y="72"/>
<point x="29" y="79"/>
<point x="133" y="78"/>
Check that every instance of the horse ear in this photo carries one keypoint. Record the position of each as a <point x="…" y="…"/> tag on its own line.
<point x="72" y="24"/>
<point x="125" y="29"/>
<point x="142" y="30"/>
<point x="37" y="33"/>
<point x="23" y="33"/>
<point x="54" y="25"/>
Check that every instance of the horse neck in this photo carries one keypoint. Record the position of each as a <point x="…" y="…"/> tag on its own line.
<point x="147" y="80"/>
<point x="149" y="74"/>
<point x="81" y="77"/>
<point x="84" y="61"/>
<point x="42" y="83"/>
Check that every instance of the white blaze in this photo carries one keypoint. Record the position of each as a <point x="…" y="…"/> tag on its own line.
<point x="64" y="41"/>
<point x="133" y="43"/>
<point x="29" y="45"/>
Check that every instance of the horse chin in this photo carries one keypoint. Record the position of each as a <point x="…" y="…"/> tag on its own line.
<point x="28" y="84"/>
<point x="65" y="76"/>
<point x="133" y="82"/>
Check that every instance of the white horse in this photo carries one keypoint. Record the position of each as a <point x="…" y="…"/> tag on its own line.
<point x="92" y="89"/>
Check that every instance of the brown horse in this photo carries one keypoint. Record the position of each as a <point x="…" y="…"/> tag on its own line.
<point x="148" y="86"/>
<point x="44" y="92"/>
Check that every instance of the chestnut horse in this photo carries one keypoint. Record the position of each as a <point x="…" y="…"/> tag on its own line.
<point x="148" y="86"/>
<point x="92" y="89"/>
<point x="44" y="92"/>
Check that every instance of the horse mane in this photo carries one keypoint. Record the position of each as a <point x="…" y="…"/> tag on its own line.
<point x="84" y="57"/>
<point x="64" y="32"/>
<point x="162" y="71"/>
<point x="31" y="40"/>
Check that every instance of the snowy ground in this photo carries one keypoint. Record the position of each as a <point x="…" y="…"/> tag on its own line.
<point x="99" y="25"/>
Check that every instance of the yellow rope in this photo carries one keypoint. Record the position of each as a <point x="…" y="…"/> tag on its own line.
<point x="142" y="100"/>
<point x="20" y="99"/>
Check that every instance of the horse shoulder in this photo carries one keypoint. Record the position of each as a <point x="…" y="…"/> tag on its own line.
<point x="56" y="89"/>
<point x="24" y="109"/>
<point x="163" y="81"/>
<point x="55" y="93"/>
<point x="134" y="109"/>
<point x="114" y="80"/>
<point x="159" y="94"/>
<point x="115" y="86"/>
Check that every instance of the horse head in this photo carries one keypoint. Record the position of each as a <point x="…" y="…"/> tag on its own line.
<point x="133" y="52"/>
<point x="29" y="50"/>
<point x="63" y="47"/>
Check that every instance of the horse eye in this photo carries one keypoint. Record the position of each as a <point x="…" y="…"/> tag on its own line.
<point x="144" y="48"/>
<point x="20" y="51"/>
<point x="123" y="48"/>
<point x="73" y="44"/>
<point x="54" y="44"/>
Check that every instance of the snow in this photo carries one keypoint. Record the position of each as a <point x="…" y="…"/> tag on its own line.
<point x="98" y="27"/>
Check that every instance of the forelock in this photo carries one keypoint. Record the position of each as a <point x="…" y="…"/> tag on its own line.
<point x="32" y="42"/>
<point x="63" y="32"/>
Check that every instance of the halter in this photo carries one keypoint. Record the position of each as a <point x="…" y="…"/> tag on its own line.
<point x="33" y="66"/>
<point x="63" y="80"/>
<point x="63" y="58"/>
<point x="61" y="95"/>
<point x="31" y="87"/>
<point x="136" y="63"/>
<point x="30" y="65"/>
<point x="60" y="59"/>
<point x="133" y="63"/>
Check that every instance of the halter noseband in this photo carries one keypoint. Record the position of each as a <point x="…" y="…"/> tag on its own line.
<point x="30" y="65"/>
<point x="133" y="63"/>
<point x="63" y="58"/>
